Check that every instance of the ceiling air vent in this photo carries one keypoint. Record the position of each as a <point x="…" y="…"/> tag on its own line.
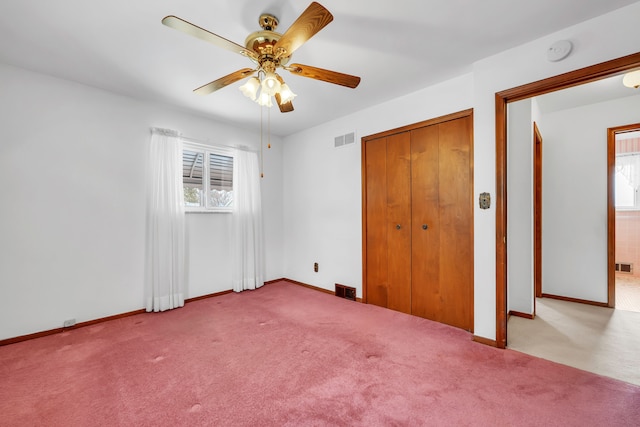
<point x="342" y="140"/>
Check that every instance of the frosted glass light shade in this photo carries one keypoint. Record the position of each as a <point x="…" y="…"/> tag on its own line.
<point x="632" y="79"/>
<point x="264" y="100"/>
<point x="270" y="84"/>
<point x="286" y="94"/>
<point x="250" y="88"/>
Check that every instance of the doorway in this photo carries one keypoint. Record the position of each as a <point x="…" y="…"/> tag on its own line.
<point x="624" y="143"/>
<point x="575" y="78"/>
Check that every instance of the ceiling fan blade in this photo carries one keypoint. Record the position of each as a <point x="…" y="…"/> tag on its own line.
<point x="312" y="20"/>
<point x="324" y="75"/>
<point x="195" y="31"/>
<point x="285" y="107"/>
<point x="223" y="81"/>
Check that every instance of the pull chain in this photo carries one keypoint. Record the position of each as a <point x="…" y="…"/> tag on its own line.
<point x="261" y="155"/>
<point x="269" y="128"/>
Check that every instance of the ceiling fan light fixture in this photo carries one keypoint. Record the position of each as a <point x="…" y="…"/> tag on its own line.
<point x="250" y="88"/>
<point x="286" y="94"/>
<point x="270" y="84"/>
<point x="632" y="79"/>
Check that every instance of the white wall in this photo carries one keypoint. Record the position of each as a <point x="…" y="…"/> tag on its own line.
<point x="574" y="218"/>
<point x="520" y="207"/>
<point x="72" y="223"/>
<point x="594" y="42"/>
<point x="323" y="190"/>
<point x="311" y="236"/>
<point x="66" y="256"/>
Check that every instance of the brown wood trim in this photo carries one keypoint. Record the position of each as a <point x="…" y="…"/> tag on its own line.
<point x="562" y="81"/>
<point x="573" y="78"/>
<point x="76" y="326"/>
<point x="473" y="219"/>
<point x="578" y="300"/>
<point x="282" y="279"/>
<point x="315" y="288"/>
<point x="100" y="320"/>
<point x="501" y="223"/>
<point x="521" y="314"/>
<point x="216" y="294"/>
<point x="363" y="185"/>
<point x="611" y="217"/>
<point x="537" y="213"/>
<point x="485" y="341"/>
<point x="441" y="119"/>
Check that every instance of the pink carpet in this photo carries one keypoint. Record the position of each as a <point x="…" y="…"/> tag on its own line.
<point x="290" y="356"/>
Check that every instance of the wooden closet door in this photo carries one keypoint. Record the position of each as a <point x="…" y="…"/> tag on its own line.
<point x="456" y="222"/>
<point x="425" y="256"/>
<point x="399" y="222"/>
<point x="376" y="272"/>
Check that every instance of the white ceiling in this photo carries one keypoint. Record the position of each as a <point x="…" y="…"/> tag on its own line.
<point x="592" y="93"/>
<point x="396" y="47"/>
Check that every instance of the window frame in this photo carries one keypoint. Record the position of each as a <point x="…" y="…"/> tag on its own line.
<point x="207" y="150"/>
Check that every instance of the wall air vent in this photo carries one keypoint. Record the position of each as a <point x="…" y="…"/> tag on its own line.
<point x="624" y="267"/>
<point x="342" y="140"/>
<point x="346" y="292"/>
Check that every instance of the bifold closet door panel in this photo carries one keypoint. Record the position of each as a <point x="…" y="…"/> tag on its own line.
<point x="456" y="222"/>
<point x="376" y="215"/>
<point x="399" y="222"/>
<point x="425" y="229"/>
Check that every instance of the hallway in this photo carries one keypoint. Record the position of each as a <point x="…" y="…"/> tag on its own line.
<point x="596" y="339"/>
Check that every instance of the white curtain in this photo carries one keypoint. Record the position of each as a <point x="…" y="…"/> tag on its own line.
<point x="247" y="223"/>
<point x="165" y="249"/>
<point x="629" y="166"/>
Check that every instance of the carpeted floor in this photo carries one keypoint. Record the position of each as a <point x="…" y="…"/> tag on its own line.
<point x="286" y="355"/>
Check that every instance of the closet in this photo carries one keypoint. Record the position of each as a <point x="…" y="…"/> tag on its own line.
<point x="418" y="219"/>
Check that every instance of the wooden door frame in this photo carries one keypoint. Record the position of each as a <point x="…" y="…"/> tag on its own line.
<point x="537" y="214"/>
<point x="562" y="81"/>
<point x="611" y="207"/>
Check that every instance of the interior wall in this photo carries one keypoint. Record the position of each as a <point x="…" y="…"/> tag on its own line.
<point x="574" y="218"/>
<point x="73" y="165"/>
<point x="520" y="207"/>
<point x="323" y="185"/>
<point x="594" y="42"/>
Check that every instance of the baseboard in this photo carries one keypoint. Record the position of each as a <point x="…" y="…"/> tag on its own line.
<point x="95" y="321"/>
<point x="520" y="314"/>
<point x="76" y="326"/>
<point x="485" y="341"/>
<point x="581" y="301"/>
<point x="27" y="337"/>
<point x="315" y="288"/>
<point x="215" y="294"/>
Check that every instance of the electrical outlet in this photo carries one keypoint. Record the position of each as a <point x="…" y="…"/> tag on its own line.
<point x="69" y="323"/>
<point x="315" y="267"/>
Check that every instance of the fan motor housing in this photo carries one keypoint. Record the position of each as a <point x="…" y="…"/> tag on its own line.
<point x="262" y="42"/>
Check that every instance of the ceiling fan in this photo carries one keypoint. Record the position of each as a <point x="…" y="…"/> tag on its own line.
<point x="269" y="51"/>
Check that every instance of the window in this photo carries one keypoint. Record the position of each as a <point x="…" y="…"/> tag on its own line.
<point x="627" y="180"/>
<point x="207" y="178"/>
